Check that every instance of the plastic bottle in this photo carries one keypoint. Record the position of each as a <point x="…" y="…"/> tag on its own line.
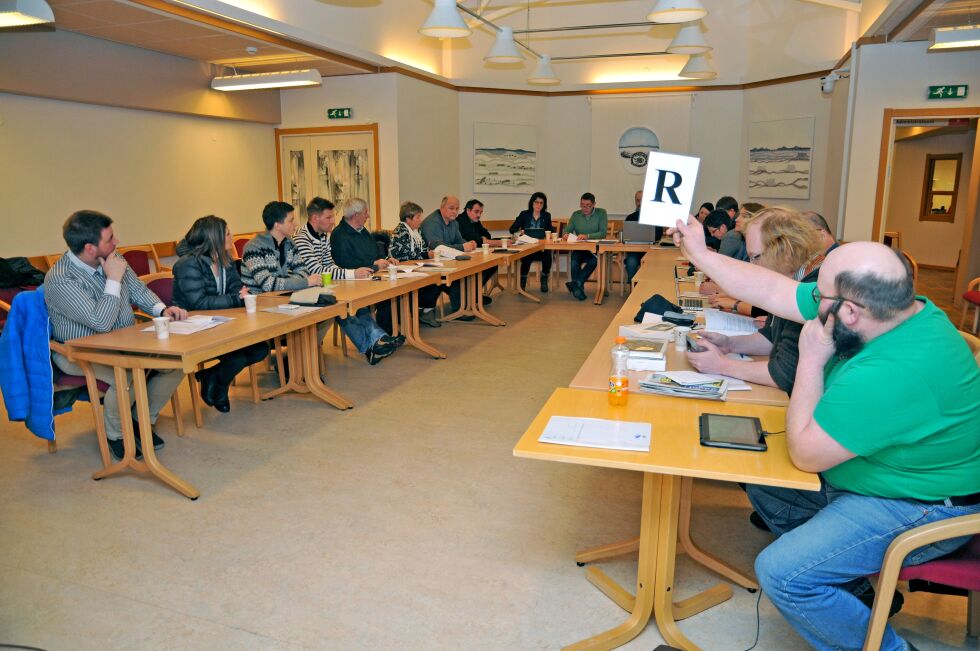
<point x="619" y="379"/>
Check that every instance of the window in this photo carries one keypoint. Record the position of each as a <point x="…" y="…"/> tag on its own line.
<point x="940" y="186"/>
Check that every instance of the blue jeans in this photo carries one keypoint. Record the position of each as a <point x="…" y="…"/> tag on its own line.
<point x="362" y="329"/>
<point x="828" y="542"/>
<point x="632" y="263"/>
<point x="583" y="264"/>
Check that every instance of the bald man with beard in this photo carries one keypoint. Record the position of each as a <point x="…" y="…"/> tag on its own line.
<point x="886" y="407"/>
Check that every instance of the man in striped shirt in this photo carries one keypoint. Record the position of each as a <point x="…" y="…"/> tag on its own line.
<point x="313" y="243"/>
<point x="90" y="290"/>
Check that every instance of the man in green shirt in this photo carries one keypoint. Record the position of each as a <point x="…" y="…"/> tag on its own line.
<point x="588" y="223"/>
<point x="886" y="407"/>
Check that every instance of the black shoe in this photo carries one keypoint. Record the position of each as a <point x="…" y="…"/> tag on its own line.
<point x="378" y="352"/>
<point x="758" y="522"/>
<point x="205" y="379"/>
<point x="544" y="284"/>
<point x="158" y="442"/>
<point x="572" y="286"/>
<point x="579" y="293"/>
<point x="219" y="396"/>
<point x="118" y="449"/>
<point x="487" y="300"/>
<point x="468" y="317"/>
<point x="395" y="340"/>
<point x="868" y="599"/>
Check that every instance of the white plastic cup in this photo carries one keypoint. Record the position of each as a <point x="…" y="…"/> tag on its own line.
<point x="486" y="249"/>
<point x="698" y="278"/>
<point x="161" y="326"/>
<point x="250" y="303"/>
<point x="392" y="273"/>
<point x="503" y="242"/>
<point x="680" y="338"/>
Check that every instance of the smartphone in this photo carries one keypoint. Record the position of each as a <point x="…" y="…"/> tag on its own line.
<point x="692" y="343"/>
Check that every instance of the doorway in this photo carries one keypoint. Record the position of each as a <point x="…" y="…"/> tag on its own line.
<point x="927" y="195"/>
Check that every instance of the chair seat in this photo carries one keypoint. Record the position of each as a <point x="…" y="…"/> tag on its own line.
<point x="961" y="569"/>
<point x="972" y="297"/>
<point x="74" y="381"/>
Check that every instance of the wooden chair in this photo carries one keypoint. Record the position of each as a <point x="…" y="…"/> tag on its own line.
<point x="892" y="238"/>
<point x="971" y="298"/>
<point x="914" y="265"/>
<point x="53" y="258"/>
<point x="139" y="258"/>
<point x="960" y="570"/>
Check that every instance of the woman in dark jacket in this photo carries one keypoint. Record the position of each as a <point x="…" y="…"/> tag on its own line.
<point x="205" y="278"/>
<point x="536" y="216"/>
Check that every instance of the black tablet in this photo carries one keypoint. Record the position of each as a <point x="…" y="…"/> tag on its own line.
<point x="739" y="432"/>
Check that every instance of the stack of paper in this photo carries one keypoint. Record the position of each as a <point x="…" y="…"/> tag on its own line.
<point x="647" y="355"/>
<point x="728" y="324"/>
<point x="193" y="323"/>
<point x="647" y="331"/>
<point x="685" y="384"/>
<point x="597" y="433"/>
<point x="526" y="239"/>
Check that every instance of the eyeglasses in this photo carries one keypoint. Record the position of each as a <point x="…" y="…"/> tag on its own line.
<point x="815" y="294"/>
<point x="754" y="258"/>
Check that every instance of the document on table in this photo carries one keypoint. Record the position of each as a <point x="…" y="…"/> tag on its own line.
<point x="728" y="324"/>
<point x="194" y="323"/>
<point x="597" y="433"/>
<point x="693" y="378"/>
<point x="288" y="308"/>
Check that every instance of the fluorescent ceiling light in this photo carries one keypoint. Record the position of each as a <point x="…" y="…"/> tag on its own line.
<point x="504" y="49"/>
<point x="288" y="79"/>
<point x="677" y="11"/>
<point x="689" y="40"/>
<point x="960" y="38"/>
<point x="16" y="13"/>
<point x="444" y="21"/>
<point x="698" y="67"/>
<point x="544" y="74"/>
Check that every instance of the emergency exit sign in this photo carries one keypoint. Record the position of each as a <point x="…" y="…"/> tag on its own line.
<point x="948" y="92"/>
<point x="338" y="114"/>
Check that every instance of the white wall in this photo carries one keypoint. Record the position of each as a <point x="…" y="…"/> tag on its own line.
<point x="795" y="100"/>
<point x="153" y="173"/>
<point x="373" y="99"/>
<point x="929" y="242"/>
<point x="716" y="137"/>
<point x="894" y="75"/>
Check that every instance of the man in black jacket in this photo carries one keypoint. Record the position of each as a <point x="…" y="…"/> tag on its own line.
<point x="473" y="230"/>
<point x="354" y="246"/>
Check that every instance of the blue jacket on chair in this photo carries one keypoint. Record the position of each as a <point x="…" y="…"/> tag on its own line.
<point x="26" y="376"/>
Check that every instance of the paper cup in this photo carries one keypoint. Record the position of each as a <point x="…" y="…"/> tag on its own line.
<point x="392" y="273"/>
<point x="680" y="338"/>
<point x="326" y="278"/>
<point x="503" y="242"/>
<point x="250" y="303"/>
<point x="161" y="326"/>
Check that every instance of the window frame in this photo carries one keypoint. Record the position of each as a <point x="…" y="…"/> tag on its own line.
<point x="925" y="210"/>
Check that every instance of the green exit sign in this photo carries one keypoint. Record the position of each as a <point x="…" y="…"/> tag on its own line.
<point x="338" y="114"/>
<point x="948" y="92"/>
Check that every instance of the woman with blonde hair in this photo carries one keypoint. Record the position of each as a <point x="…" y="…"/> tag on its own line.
<point x="782" y="240"/>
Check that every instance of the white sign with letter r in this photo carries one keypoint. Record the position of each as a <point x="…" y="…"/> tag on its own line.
<point x="668" y="189"/>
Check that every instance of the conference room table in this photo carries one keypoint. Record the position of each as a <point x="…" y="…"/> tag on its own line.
<point x="133" y="349"/>
<point x="604" y="253"/>
<point x="469" y="272"/>
<point x="674" y="458"/>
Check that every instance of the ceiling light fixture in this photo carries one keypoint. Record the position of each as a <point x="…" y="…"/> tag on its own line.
<point x="263" y="80"/>
<point x="504" y="49"/>
<point x="17" y="13"/>
<point x="964" y="37"/>
<point x="698" y="67"/>
<point x="689" y="40"/>
<point x="445" y="22"/>
<point x="544" y="74"/>
<point x="677" y="11"/>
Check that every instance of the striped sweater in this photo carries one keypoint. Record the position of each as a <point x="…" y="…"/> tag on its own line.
<point x="261" y="271"/>
<point x="82" y="302"/>
<point x="314" y="249"/>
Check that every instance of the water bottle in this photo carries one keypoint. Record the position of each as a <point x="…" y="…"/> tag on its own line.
<point x="619" y="379"/>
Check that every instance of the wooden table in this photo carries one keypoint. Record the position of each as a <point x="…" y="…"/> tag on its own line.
<point x="471" y="292"/>
<point x="404" y="296"/>
<point x="563" y="246"/>
<point x="604" y="251"/>
<point x="513" y="261"/>
<point x="131" y="349"/>
<point x="675" y="454"/>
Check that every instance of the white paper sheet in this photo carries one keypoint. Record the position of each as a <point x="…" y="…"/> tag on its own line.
<point x="597" y="433"/>
<point x="193" y="323"/>
<point x="728" y="324"/>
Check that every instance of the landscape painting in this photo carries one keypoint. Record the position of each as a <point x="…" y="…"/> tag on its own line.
<point x="780" y="156"/>
<point x="504" y="158"/>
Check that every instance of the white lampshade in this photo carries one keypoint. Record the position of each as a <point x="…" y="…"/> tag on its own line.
<point x="263" y="80"/>
<point x="963" y="37"/>
<point x="689" y="40"/>
<point x="445" y="21"/>
<point x="16" y="13"/>
<point x="504" y="49"/>
<point x="698" y="67"/>
<point x="676" y="11"/>
<point x="544" y="74"/>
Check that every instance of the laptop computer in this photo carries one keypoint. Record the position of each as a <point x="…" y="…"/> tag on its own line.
<point x="637" y="233"/>
<point x="537" y="233"/>
<point x="692" y="302"/>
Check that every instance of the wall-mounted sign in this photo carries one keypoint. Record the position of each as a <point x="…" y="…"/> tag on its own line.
<point x="339" y="114"/>
<point x="948" y="92"/>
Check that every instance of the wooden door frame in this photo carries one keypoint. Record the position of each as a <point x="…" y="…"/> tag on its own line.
<point x="371" y="128"/>
<point x="973" y="190"/>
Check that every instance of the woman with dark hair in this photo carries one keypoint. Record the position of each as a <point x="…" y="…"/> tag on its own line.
<point x="407" y="243"/>
<point x="536" y="216"/>
<point x="205" y="278"/>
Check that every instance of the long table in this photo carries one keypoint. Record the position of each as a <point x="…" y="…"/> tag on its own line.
<point x="131" y="350"/>
<point x="674" y="457"/>
<point x="469" y="272"/>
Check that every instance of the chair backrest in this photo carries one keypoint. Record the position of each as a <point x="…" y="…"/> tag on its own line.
<point x="161" y="284"/>
<point x="240" y="243"/>
<point x="6" y="298"/>
<point x="974" y="344"/>
<point x="140" y="258"/>
<point x="914" y="265"/>
<point x="53" y="258"/>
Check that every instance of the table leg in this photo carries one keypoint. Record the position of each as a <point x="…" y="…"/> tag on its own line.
<point x="515" y="274"/>
<point x="410" y="319"/>
<point x="600" y="290"/>
<point x="663" y="604"/>
<point x="651" y="526"/>
<point x="311" y="364"/>
<point x="472" y="302"/>
<point x="126" y="420"/>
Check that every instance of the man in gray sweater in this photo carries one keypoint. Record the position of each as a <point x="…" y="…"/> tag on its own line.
<point x="270" y="262"/>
